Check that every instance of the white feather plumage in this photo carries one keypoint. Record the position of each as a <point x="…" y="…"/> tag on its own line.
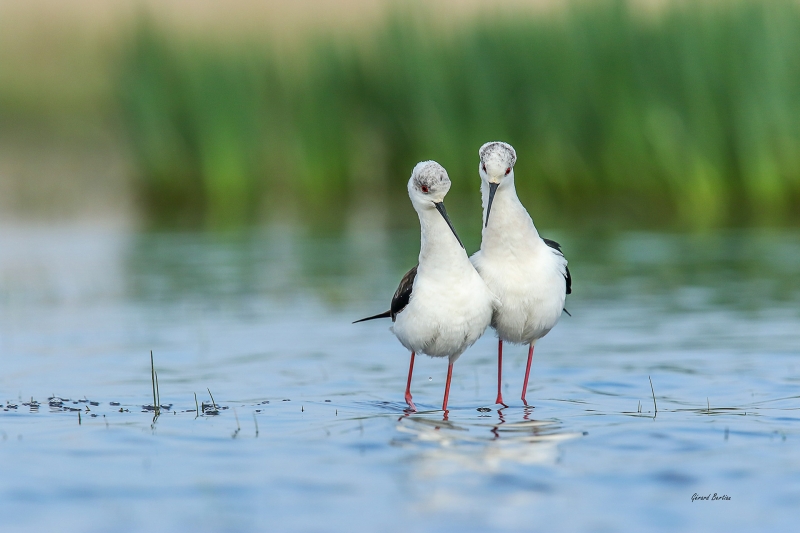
<point x="450" y="306"/>
<point x="526" y="275"/>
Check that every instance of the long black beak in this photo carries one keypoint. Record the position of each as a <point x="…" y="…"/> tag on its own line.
<point x="443" y="212"/>
<point x="492" y="190"/>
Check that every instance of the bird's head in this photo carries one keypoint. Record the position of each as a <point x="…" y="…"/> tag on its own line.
<point x="429" y="184"/>
<point x="496" y="167"/>
<point x="427" y="188"/>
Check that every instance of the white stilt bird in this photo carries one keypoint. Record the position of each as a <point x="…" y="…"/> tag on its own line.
<point x="442" y="305"/>
<point x="528" y="274"/>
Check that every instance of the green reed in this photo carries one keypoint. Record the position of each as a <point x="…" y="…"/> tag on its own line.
<point x="690" y="116"/>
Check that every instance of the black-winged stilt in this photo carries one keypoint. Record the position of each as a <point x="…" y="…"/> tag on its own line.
<point x="442" y="305"/>
<point x="528" y="274"/>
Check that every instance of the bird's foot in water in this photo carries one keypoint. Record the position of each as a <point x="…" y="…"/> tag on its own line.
<point x="411" y="407"/>
<point x="525" y="402"/>
<point x="499" y="400"/>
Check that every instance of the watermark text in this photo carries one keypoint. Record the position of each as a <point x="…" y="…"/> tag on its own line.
<point x="711" y="497"/>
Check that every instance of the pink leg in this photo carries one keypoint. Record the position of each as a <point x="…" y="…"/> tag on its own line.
<point x="408" y="385"/>
<point x="447" y="386"/>
<point x="527" y="373"/>
<point x="500" y="373"/>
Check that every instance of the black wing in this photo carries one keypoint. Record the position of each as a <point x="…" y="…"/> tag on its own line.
<point x="403" y="293"/>
<point x="557" y="247"/>
<point x="568" y="277"/>
<point x="554" y="245"/>
<point x="400" y="298"/>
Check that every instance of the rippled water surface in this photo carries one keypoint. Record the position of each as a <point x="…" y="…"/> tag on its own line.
<point x="311" y="434"/>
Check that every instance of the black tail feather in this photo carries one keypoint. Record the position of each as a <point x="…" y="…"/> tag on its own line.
<point x="385" y="314"/>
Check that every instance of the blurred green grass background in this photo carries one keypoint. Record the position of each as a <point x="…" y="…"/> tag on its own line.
<point x="685" y="116"/>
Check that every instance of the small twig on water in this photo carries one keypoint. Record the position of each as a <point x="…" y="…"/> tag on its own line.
<point x="655" y="406"/>
<point x="639" y="410"/>
<point x="212" y="399"/>
<point x="196" y="407"/>
<point x="256" y="422"/>
<point x="79" y="418"/>
<point x="153" y="380"/>
<point x="708" y="406"/>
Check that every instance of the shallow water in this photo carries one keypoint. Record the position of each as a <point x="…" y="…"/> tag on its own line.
<point x="263" y="320"/>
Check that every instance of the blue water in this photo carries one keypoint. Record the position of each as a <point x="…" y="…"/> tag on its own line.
<point x="262" y="319"/>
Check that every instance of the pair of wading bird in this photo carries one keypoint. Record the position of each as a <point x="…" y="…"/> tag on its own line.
<point x="517" y="282"/>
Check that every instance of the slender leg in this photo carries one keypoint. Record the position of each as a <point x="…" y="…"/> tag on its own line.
<point x="527" y="373"/>
<point x="500" y="373"/>
<point x="408" y="385"/>
<point x="447" y="386"/>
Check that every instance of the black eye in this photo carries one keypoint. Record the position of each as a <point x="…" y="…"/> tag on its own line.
<point x="508" y="171"/>
<point x="484" y="167"/>
<point x="424" y="188"/>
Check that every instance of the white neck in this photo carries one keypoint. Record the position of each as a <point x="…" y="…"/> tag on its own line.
<point x="510" y="226"/>
<point x="438" y="244"/>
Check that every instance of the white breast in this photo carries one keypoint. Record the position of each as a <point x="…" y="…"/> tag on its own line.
<point x="531" y="289"/>
<point x="525" y="274"/>
<point x="449" y="309"/>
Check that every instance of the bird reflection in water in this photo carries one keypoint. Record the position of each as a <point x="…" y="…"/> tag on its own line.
<point x="512" y="436"/>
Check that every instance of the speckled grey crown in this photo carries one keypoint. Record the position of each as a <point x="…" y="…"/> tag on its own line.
<point x="429" y="173"/>
<point x="500" y="151"/>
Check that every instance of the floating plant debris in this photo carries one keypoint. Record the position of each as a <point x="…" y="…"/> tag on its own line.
<point x="162" y="407"/>
<point x="209" y="409"/>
